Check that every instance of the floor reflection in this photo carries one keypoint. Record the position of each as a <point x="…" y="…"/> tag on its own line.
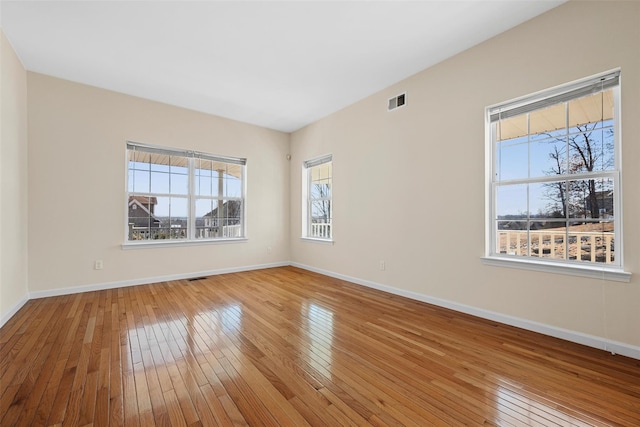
<point x="320" y="334"/>
<point x="184" y="336"/>
<point x="527" y="411"/>
<point x="226" y="320"/>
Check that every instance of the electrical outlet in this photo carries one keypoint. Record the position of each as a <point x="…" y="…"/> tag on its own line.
<point x="98" y="265"/>
<point x="383" y="265"/>
<point x="268" y="249"/>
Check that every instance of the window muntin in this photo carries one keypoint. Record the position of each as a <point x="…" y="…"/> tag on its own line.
<point x="183" y="195"/>
<point x="554" y="185"/>
<point x="317" y="212"/>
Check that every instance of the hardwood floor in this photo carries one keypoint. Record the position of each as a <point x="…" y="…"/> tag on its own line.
<point x="286" y="347"/>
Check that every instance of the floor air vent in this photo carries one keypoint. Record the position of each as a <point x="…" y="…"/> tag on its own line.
<point x="397" y="102"/>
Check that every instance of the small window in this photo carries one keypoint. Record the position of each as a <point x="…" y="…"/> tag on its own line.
<point x="317" y="210"/>
<point x="554" y="180"/>
<point x="183" y="195"/>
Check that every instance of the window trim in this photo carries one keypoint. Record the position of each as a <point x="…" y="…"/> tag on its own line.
<point x="191" y="197"/>
<point x="560" y="267"/>
<point x="306" y="182"/>
<point x="537" y="101"/>
<point x="174" y="243"/>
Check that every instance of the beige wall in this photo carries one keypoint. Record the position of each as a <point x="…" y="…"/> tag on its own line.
<point x="424" y="162"/>
<point x="13" y="180"/>
<point x="409" y="185"/>
<point x="77" y="194"/>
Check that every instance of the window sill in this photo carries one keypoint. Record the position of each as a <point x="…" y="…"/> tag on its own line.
<point x="595" y="272"/>
<point x="145" y="244"/>
<point x="317" y="240"/>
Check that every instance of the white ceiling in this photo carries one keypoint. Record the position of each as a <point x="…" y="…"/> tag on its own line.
<point x="281" y="65"/>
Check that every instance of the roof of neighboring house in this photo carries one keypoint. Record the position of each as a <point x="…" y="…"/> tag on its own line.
<point x="229" y="204"/>
<point x="143" y="200"/>
<point x="145" y="203"/>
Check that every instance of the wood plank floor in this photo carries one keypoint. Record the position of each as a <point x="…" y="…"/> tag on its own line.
<point x="286" y="347"/>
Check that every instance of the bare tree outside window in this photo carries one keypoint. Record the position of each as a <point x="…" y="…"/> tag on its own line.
<point x="319" y="198"/>
<point x="580" y="199"/>
<point x="555" y="178"/>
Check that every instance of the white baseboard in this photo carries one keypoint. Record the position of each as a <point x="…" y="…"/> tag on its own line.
<point x="147" y="280"/>
<point x="613" y="347"/>
<point x="17" y="306"/>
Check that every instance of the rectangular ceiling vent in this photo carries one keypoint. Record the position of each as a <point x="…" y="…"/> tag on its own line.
<point x="397" y="102"/>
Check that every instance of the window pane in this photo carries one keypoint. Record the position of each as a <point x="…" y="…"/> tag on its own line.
<point x="162" y="210"/>
<point x="234" y="170"/>
<point x="203" y="185"/>
<point x="606" y="246"/>
<point x="206" y="218"/>
<point x="511" y="201"/>
<point x="142" y="221"/>
<point x="172" y="214"/>
<point x="155" y="167"/>
<point x="548" y="157"/>
<point x="203" y="172"/>
<point x="320" y="225"/>
<point x="159" y="182"/>
<point x="140" y="182"/>
<point x="592" y="241"/>
<point x="204" y="167"/>
<point x="217" y="183"/>
<point x="547" y="200"/>
<point x="321" y="172"/>
<point x="212" y="222"/>
<point x="321" y="211"/>
<point x="548" y="239"/>
<point x="591" y="198"/>
<point x="548" y="122"/>
<point x="165" y="181"/>
<point x="320" y="189"/>
<point x="138" y="160"/>
<point x="320" y="182"/>
<point x="595" y="108"/>
<point x="179" y="184"/>
<point x="566" y="219"/>
<point x="204" y="208"/>
<point x="232" y="223"/>
<point x="605" y="198"/>
<point x="232" y="186"/>
<point x="318" y="220"/>
<point x="512" y="128"/>
<point x="178" y="214"/>
<point x="512" y="159"/>
<point x="591" y="150"/>
<point x="138" y="166"/>
<point x="203" y="177"/>
<point x="549" y="135"/>
<point x="512" y="238"/>
<point x="179" y="165"/>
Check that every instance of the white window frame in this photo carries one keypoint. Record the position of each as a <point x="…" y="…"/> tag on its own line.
<point x="536" y="102"/>
<point x="192" y="157"/>
<point x="307" y="166"/>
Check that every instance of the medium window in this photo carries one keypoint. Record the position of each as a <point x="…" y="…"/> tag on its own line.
<point x="183" y="195"/>
<point x="555" y="175"/>
<point x="317" y="212"/>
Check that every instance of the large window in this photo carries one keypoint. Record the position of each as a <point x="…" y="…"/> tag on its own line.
<point x="554" y="186"/>
<point x="183" y="195"/>
<point x="317" y="189"/>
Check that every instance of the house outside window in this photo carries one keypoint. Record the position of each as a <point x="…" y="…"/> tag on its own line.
<point x="317" y="209"/>
<point x="181" y="195"/>
<point x="554" y="176"/>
